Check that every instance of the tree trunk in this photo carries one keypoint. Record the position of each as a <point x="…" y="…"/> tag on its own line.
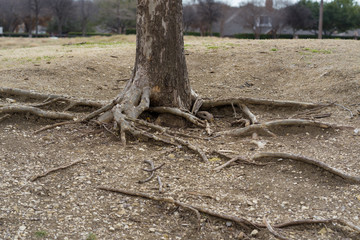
<point x="160" y="74"/>
<point x="321" y="12"/>
<point x="160" y="60"/>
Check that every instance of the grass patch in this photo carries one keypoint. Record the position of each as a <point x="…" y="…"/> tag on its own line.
<point x="324" y="51"/>
<point x="212" y="47"/>
<point x="274" y="49"/>
<point x="91" y="236"/>
<point x="41" y="234"/>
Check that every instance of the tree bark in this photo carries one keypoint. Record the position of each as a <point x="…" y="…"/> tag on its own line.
<point x="160" y="60"/>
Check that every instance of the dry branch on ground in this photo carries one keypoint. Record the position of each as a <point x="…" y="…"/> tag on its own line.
<point x="34" y="178"/>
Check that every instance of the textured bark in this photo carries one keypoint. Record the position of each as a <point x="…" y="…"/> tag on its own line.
<point x="160" y="60"/>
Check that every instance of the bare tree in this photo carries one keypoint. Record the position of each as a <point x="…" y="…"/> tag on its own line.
<point x="36" y="7"/>
<point x="117" y="15"/>
<point x="251" y="15"/>
<point x="10" y="14"/>
<point x="209" y="12"/>
<point x="61" y="10"/>
<point x="86" y="9"/>
<point x="190" y="17"/>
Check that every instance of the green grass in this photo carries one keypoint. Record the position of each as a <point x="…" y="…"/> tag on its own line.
<point x="274" y="49"/>
<point x="41" y="234"/>
<point x="324" y="51"/>
<point x="91" y="236"/>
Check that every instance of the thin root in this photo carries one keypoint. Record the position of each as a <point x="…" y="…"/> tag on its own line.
<point x="309" y="161"/>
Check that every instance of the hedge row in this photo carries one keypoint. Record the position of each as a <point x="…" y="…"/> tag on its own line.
<point x="7" y="34"/>
<point x="287" y="36"/>
<point x="90" y="34"/>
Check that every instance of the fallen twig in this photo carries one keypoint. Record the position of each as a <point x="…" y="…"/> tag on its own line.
<point x="34" y="178"/>
<point x="153" y="169"/>
<point x="272" y="231"/>
<point x="161" y="190"/>
<point x="309" y="161"/>
<point x="54" y="125"/>
<point x="347" y="109"/>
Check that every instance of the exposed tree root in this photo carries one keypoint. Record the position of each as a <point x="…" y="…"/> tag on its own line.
<point x="50" y="98"/>
<point x="34" y="178"/>
<point x="151" y="172"/>
<point x="309" y="161"/>
<point x="208" y="104"/>
<point x="4" y="117"/>
<point x="248" y="114"/>
<point x="272" y="231"/>
<point x="84" y="119"/>
<point x="246" y="224"/>
<point x="177" y="112"/>
<point x="36" y="111"/>
<point x="263" y="128"/>
<point x="237" y="158"/>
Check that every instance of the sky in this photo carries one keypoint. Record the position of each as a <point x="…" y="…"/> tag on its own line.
<point x="234" y="3"/>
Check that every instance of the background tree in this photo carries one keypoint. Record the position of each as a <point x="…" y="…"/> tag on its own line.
<point x="209" y="12"/>
<point x="61" y="10"/>
<point x="251" y="14"/>
<point x="339" y="15"/>
<point x="10" y="14"/>
<point x="86" y="11"/>
<point x="117" y="15"/>
<point x="299" y="17"/>
<point x="190" y="17"/>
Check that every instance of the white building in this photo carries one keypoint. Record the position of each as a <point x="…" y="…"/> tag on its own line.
<point x="1" y="30"/>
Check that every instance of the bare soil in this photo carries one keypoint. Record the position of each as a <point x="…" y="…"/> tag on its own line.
<point x="67" y="204"/>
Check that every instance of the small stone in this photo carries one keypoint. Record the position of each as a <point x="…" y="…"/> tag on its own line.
<point x="254" y="233"/>
<point x="228" y="224"/>
<point x="152" y="229"/>
<point x="22" y="228"/>
<point x="111" y="229"/>
<point x="171" y="156"/>
<point x="241" y="236"/>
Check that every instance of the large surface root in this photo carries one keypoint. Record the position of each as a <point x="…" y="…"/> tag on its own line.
<point x="36" y="111"/>
<point x="263" y="128"/>
<point x="208" y="104"/>
<point x="50" y="98"/>
<point x="267" y="155"/>
<point x="243" y="222"/>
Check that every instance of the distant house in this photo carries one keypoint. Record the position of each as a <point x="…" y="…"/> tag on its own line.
<point x="1" y="30"/>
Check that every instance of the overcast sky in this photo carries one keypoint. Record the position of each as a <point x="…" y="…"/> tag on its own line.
<point x="234" y="3"/>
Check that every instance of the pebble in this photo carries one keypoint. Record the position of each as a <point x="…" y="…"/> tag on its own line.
<point x="22" y="228"/>
<point x="254" y="233"/>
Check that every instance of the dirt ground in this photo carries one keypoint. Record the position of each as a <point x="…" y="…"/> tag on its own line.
<point x="67" y="204"/>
